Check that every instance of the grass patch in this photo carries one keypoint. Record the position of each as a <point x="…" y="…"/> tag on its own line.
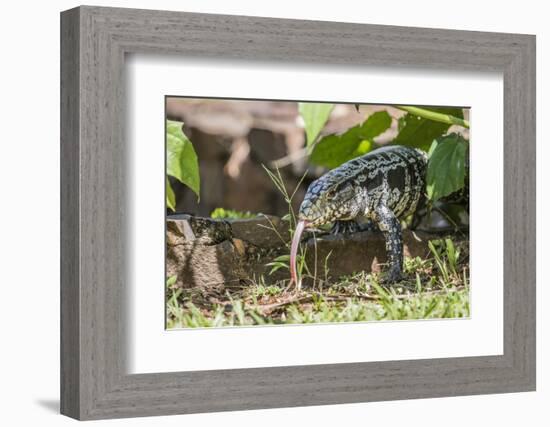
<point x="437" y="287"/>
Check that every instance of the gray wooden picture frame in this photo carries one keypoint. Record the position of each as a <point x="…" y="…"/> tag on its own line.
<point x="94" y="41"/>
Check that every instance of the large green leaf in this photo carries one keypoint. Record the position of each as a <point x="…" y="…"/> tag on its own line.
<point x="446" y="166"/>
<point x="170" y="196"/>
<point x="333" y="150"/>
<point x="181" y="159"/>
<point x="419" y="132"/>
<point x="315" y="117"/>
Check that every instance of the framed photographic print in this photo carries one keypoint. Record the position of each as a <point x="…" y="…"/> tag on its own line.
<point x="261" y="213"/>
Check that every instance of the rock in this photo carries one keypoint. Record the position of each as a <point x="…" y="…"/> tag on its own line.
<point x="203" y="252"/>
<point x="197" y="265"/>
<point x="362" y="251"/>
<point x="183" y="229"/>
<point x="263" y="231"/>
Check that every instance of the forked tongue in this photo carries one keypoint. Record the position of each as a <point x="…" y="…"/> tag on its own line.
<point x="294" y="251"/>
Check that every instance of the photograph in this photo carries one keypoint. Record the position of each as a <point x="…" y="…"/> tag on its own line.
<point x="267" y="215"/>
<point x="286" y="212"/>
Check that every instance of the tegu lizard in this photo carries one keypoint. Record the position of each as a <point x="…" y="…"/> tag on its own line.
<point x="381" y="187"/>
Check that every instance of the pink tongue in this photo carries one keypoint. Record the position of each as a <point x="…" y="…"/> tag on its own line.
<point x="294" y="251"/>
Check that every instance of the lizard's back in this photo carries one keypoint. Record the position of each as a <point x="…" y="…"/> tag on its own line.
<point x="393" y="175"/>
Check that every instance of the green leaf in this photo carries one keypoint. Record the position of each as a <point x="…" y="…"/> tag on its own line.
<point x="419" y="132"/>
<point x="315" y="117"/>
<point x="333" y="150"/>
<point x="446" y="166"/>
<point x="282" y="258"/>
<point x="276" y="266"/>
<point x="170" y="196"/>
<point x="181" y="159"/>
<point x="375" y="124"/>
<point x="432" y="148"/>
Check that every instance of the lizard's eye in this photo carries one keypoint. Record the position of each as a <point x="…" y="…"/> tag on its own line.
<point x="331" y="193"/>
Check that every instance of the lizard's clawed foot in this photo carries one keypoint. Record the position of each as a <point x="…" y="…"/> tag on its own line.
<point x="393" y="276"/>
<point x="352" y="226"/>
<point x="370" y="225"/>
<point x="344" y="227"/>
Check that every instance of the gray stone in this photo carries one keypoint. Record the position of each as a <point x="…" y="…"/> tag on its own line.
<point x="203" y="252"/>
<point x="263" y="231"/>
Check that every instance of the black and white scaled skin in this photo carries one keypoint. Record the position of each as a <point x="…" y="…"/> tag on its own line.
<point x="380" y="187"/>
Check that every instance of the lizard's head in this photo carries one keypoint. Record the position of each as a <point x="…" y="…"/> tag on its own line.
<point x="328" y="199"/>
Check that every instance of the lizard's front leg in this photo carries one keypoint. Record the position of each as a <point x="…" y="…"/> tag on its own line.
<point x="390" y="226"/>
